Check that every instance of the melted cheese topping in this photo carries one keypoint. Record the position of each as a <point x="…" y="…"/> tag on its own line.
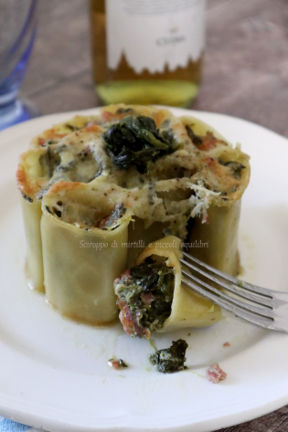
<point x="204" y="170"/>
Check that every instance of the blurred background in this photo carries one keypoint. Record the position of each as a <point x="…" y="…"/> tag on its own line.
<point x="245" y="67"/>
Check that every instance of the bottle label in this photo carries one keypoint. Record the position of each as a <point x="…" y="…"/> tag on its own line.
<point x="154" y="34"/>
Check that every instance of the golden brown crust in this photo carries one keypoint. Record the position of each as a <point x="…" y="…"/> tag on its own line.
<point x="22" y="180"/>
<point x="92" y="128"/>
<point x="60" y="130"/>
<point x="64" y="185"/>
<point x="187" y="181"/>
<point x="48" y="135"/>
<point x="27" y="183"/>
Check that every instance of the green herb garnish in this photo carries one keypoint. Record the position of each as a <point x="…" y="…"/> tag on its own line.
<point x="136" y="141"/>
<point x="170" y="359"/>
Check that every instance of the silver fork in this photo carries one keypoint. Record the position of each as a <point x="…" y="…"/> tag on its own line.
<point x="261" y="306"/>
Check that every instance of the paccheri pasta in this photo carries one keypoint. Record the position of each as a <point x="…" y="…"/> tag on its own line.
<point x="151" y="296"/>
<point x="96" y="190"/>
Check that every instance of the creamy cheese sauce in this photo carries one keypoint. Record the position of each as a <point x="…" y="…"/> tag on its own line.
<point x="201" y="170"/>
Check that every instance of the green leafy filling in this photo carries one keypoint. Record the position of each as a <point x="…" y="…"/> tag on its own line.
<point x="170" y="359"/>
<point x="147" y="296"/>
<point x="136" y="141"/>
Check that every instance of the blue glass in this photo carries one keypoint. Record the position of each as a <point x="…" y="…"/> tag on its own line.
<point x="18" y="19"/>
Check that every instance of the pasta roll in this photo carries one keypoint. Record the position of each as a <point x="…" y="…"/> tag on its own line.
<point x="151" y="296"/>
<point x="129" y="176"/>
<point x="83" y="238"/>
<point x="52" y="158"/>
<point x="31" y="178"/>
<point x="214" y="237"/>
<point x="216" y="241"/>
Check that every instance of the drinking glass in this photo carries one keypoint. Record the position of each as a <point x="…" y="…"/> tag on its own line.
<point x="17" y="34"/>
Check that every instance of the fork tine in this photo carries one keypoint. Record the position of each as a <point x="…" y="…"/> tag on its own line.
<point x="255" y="289"/>
<point x="264" y="301"/>
<point x="259" y="310"/>
<point x="248" y="316"/>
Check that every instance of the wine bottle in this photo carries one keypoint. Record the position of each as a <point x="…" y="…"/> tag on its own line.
<point x="147" y="51"/>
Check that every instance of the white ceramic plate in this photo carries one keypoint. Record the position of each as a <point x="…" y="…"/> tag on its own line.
<point x="54" y="372"/>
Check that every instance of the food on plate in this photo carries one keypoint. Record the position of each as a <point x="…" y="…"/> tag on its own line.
<point x="136" y="141"/>
<point x="151" y="296"/>
<point x="54" y="156"/>
<point x="170" y="359"/>
<point x="60" y="130"/>
<point x="117" y="363"/>
<point x="216" y="374"/>
<point x="82" y="235"/>
<point x="93" y="186"/>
